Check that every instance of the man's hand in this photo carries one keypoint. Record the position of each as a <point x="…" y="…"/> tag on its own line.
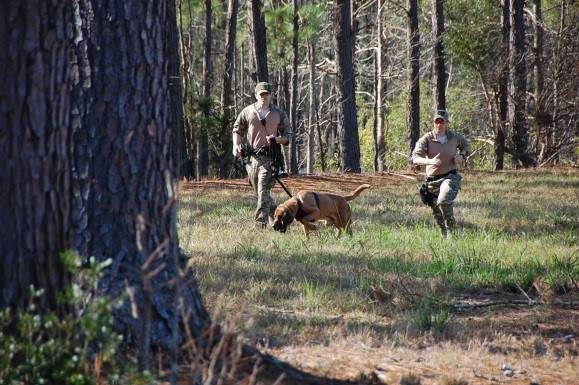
<point x="435" y="161"/>
<point x="271" y="138"/>
<point x="236" y="150"/>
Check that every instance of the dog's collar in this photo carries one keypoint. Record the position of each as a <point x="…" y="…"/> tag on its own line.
<point x="300" y="213"/>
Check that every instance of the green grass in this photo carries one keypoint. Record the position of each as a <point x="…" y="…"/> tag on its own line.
<point x="515" y="228"/>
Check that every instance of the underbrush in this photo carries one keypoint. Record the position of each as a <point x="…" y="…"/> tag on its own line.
<point x="79" y="348"/>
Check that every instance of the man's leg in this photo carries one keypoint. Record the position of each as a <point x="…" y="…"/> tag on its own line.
<point x="438" y="216"/>
<point x="448" y="191"/>
<point x="265" y="201"/>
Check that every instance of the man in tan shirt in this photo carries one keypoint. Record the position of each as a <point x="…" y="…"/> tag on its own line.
<point x="256" y="125"/>
<point x="443" y="152"/>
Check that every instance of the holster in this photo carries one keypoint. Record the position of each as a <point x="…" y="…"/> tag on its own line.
<point x="426" y="196"/>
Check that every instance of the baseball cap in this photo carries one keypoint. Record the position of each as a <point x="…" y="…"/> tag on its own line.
<point x="262" y="87"/>
<point x="441" y="114"/>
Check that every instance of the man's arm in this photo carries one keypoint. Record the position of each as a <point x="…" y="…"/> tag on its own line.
<point x="284" y="131"/>
<point x="239" y="127"/>
<point x="419" y="154"/>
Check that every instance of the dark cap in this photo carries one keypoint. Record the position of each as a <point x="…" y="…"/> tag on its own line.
<point x="441" y="114"/>
<point x="263" y="86"/>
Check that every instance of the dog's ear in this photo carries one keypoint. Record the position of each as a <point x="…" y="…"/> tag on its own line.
<point x="287" y="218"/>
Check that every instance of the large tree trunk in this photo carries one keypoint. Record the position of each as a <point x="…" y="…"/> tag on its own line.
<point x="293" y="161"/>
<point x="38" y="121"/>
<point x="499" y="140"/>
<point x="347" y="120"/>
<point x="413" y="80"/>
<point x="439" y="69"/>
<point x="226" y="93"/>
<point x="132" y="213"/>
<point x="202" y="143"/>
<point x="258" y="33"/>
<point x="519" y="134"/>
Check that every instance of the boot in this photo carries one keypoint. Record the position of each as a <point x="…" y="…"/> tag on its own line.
<point x="448" y="214"/>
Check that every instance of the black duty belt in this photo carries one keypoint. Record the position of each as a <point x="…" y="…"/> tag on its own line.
<point x="432" y="178"/>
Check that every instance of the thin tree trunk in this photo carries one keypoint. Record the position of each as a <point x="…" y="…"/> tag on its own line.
<point x="312" y="110"/>
<point x="380" y="156"/>
<point x="257" y="22"/>
<point x="413" y="81"/>
<point x="499" y="142"/>
<point x="439" y="70"/>
<point x="541" y="117"/>
<point x="347" y="115"/>
<point x="202" y="144"/>
<point x="226" y="92"/>
<point x="318" y="125"/>
<point x="519" y="134"/>
<point x="293" y="162"/>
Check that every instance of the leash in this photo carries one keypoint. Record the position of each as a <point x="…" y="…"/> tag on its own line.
<point x="283" y="186"/>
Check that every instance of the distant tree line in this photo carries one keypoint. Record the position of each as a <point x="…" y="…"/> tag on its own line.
<point x="360" y="79"/>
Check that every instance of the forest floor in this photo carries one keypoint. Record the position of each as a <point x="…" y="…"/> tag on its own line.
<point x="497" y="303"/>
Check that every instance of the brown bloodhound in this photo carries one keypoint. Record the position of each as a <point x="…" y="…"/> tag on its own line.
<point x="309" y="206"/>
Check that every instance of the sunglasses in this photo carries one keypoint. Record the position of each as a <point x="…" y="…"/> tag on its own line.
<point x="439" y="120"/>
<point x="264" y="93"/>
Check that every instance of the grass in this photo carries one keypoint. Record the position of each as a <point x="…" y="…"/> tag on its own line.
<point x="396" y="271"/>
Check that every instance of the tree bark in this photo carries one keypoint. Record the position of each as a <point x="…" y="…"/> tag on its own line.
<point x="413" y="80"/>
<point x="312" y="110"/>
<point x="380" y="156"/>
<point x="258" y="33"/>
<point x="499" y="142"/>
<point x="133" y="209"/>
<point x="542" y="123"/>
<point x="38" y="121"/>
<point x="439" y="67"/>
<point x="519" y="133"/>
<point x="347" y="115"/>
<point x="293" y="161"/>
<point x="226" y="93"/>
<point x="202" y="143"/>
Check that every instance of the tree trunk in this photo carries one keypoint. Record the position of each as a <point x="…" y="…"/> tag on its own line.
<point x="202" y="144"/>
<point x="380" y="156"/>
<point x="413" y="80"/>
<point x="258" y="33"/>
<point x="499" y="142"/>
<point x="347" y="120"/>
<point x="38" y="122"/>
<point x="226" y="93"/>
<point x="319" y="111"/>
<point x="176" y="90"/>
<point x="293" y="162"/>
<point x="519" y="134"/>
<point x="542" y="123"/>
<point x="131" y="215"/>
<point x="312" y="110"/>
<point x="439" y="67"/>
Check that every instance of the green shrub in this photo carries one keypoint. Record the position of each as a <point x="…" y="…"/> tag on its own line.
<point x="79" y="348"/>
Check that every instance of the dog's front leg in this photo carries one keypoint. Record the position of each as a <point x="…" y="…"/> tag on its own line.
<point x="308" y="226"/>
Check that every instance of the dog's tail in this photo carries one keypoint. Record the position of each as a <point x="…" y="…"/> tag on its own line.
<point x="356" y="192"/>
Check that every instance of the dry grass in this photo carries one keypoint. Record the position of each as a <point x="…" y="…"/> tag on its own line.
<point x="389" y="289"/>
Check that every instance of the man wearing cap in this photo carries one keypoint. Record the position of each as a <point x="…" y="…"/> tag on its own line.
<point x="443" y="152"/>
<point x="257" y="125"/>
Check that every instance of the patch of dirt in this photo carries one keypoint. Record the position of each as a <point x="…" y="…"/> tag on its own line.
<point x="334" y="183"/>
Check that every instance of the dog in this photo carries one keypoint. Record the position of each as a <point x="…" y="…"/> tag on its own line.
<point x="308" y="207"/>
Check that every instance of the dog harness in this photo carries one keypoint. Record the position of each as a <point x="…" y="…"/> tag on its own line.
<point x="300" y="214"/>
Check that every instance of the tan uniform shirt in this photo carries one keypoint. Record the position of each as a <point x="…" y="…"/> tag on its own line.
<point x="249" y="125"/>
<point x="428" y="147"/>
